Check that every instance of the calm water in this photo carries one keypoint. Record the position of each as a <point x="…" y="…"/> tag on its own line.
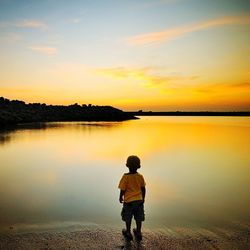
<point x="197" y="171"/>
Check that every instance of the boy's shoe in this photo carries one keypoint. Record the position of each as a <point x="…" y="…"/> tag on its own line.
<point x="137" y="234"/>
<point x="127" y="234"/>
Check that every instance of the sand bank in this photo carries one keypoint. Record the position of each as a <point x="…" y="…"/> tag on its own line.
<point x="111" y="238"/>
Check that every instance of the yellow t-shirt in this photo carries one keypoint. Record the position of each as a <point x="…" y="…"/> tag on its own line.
<point x="132" y="184"/>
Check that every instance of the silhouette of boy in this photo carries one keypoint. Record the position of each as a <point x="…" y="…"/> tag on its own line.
<point x="132" y="195"/>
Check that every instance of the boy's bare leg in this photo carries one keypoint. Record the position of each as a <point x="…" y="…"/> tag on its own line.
<point x="138" y="226"/>
<point x="128" y="225"/>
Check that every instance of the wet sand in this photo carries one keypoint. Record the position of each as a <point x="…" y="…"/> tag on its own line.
<point x="111" y="238"/>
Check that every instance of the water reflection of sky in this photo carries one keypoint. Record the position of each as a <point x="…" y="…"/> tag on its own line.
<point x="196" y="170"/>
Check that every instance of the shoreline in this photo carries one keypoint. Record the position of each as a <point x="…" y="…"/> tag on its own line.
<point x="110" y="237"/>
<point x="14" y="112"/>
<point x="191" y="113"/>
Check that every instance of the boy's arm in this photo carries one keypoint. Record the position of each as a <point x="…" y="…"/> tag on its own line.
<point x="143" y="191"/>
<point x="122" y="192"/>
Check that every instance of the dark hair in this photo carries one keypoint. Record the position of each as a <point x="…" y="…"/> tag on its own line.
<point x="134" y="162"/>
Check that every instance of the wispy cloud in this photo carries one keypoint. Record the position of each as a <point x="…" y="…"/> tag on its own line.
<point x="27" y="23"/>
<point x="245" y="84"/>
<point x="76" y="20"/>
<point x="169" y="34"/>
<point x="224" y="87"/>
<point x="11" y="37"/>
<point x="147" y="75"/>
<point x="44" y="49"/>
<point x="31" y="24"/>
<point x="123" y="72"/>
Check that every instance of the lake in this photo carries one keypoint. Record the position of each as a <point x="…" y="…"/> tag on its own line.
<point x="197" y="172"/>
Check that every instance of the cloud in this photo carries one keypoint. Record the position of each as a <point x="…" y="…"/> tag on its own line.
<point x="123" y="72"/>
<point x="147" y="75"/>
<point x="224" y="87"/>
<point x="241" y="85"/>
<point x="27" y="23"/>
<point x="170" y="34"/>
<point x="31" y="24"/>
<point x="44" y="50"/>
<point x="11" y="37"/>
<point x="76" y="20"/>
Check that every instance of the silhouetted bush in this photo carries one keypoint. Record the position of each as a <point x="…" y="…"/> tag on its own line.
<point x="14" y="112"/>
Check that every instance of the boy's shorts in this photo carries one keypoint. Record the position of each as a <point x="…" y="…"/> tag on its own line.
<point x="133" y="208"/>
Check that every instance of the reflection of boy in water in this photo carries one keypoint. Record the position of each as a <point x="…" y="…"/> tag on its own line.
<point x="132" y="195"/>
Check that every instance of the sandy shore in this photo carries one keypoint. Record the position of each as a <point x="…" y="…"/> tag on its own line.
<point x="111" y="238"/>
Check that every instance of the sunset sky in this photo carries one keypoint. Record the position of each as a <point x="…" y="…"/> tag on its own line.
<point x="131" y="54"/>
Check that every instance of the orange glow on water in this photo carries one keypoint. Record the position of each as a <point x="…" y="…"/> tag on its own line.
<point x="190" y="164"/>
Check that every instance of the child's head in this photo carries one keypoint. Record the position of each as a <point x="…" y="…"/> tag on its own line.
<point x="133" y="162"/>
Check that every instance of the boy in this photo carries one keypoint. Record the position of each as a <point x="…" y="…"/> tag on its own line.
<point x="132" y="195"/>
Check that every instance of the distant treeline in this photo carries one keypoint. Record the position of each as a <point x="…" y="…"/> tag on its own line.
<point x="15" y="112"/>
<point x="191" y="113"/>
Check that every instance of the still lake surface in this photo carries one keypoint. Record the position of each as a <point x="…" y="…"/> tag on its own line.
<point x="197" y="172"/>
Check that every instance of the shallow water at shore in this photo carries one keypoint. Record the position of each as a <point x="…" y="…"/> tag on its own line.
<point x="196" y="170"/>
